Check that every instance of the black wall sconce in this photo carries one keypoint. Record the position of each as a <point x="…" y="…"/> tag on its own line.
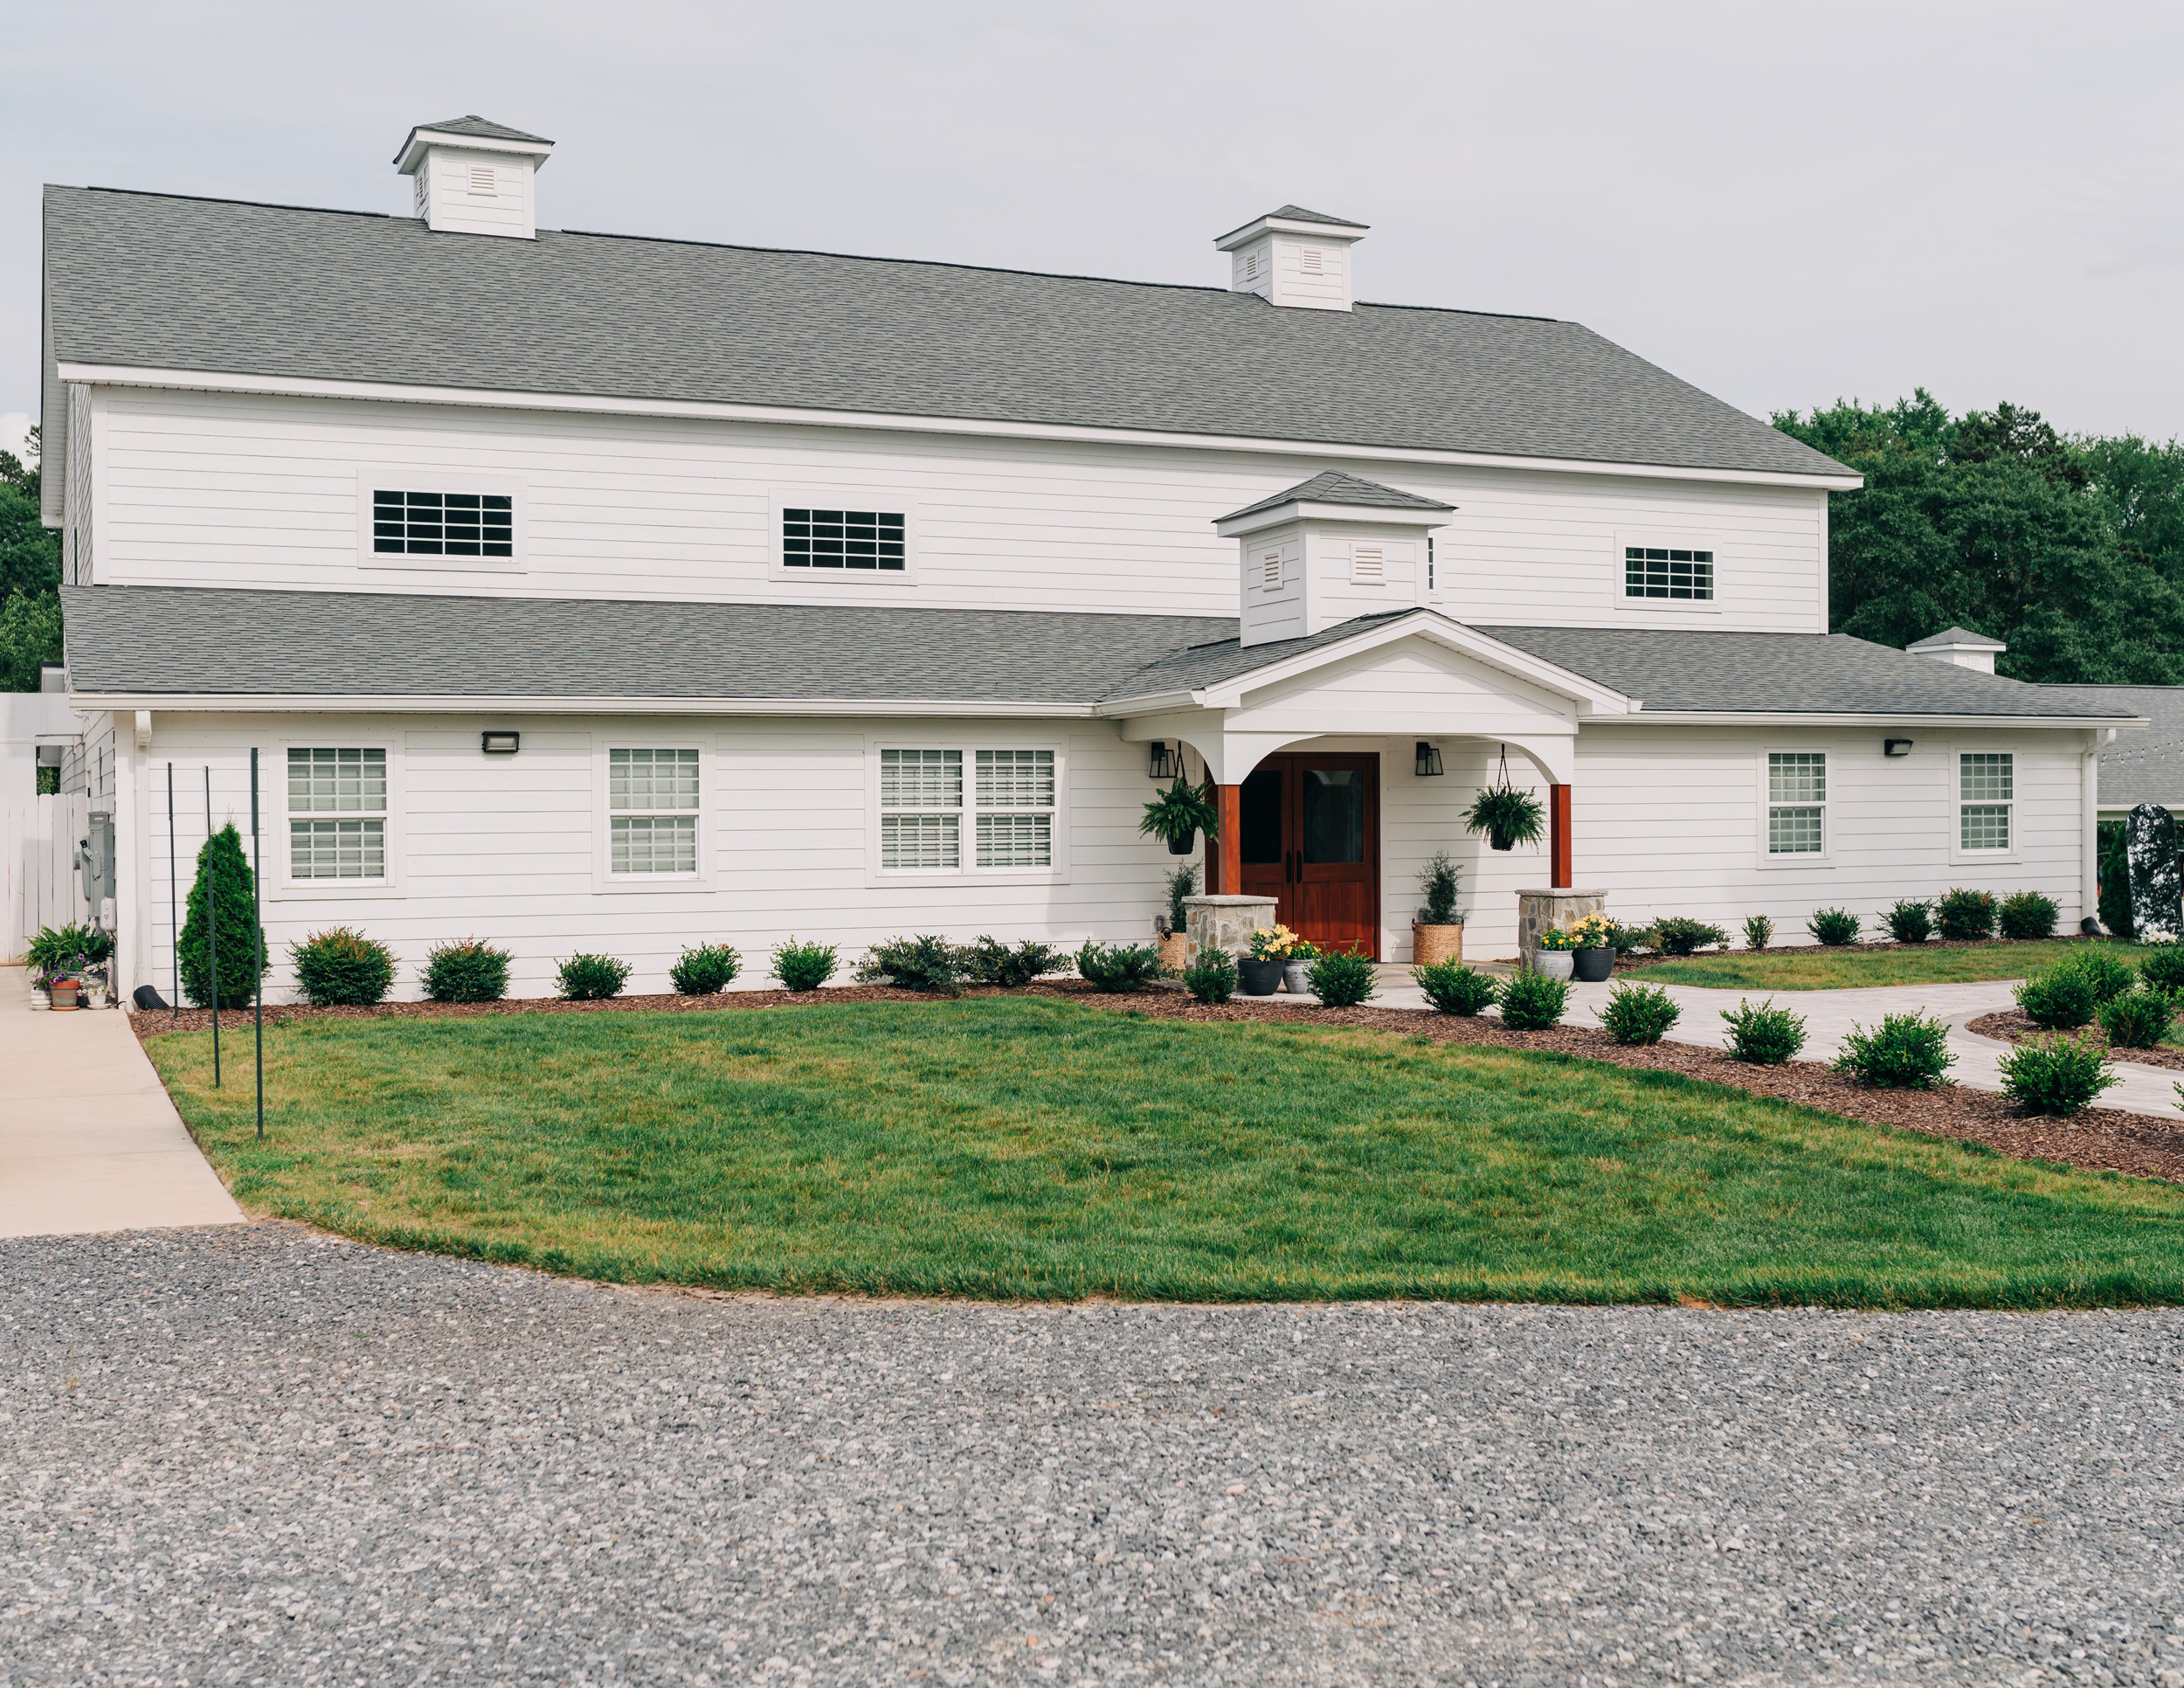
<point x="500" y="743"/>
<point x="1429" y="760"/>
<point x="1896" y="747"/>
<point x="1166" y="762"/>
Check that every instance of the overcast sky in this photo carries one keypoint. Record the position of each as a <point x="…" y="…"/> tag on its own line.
<point x="1783" y="204"/>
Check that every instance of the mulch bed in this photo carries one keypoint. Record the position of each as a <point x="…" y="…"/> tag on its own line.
<point x="2014" y="1026"/>
<point x="2102" y="1139"/>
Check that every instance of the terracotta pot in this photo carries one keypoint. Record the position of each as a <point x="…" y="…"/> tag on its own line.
<point x="1557" y="964"/>
<point x="1258" y="978"/>
<point x="1593" y="966"/>
<point x="1431" y="945"/>
<point x="63" y="994"/>
<point x="1175" y="951"/>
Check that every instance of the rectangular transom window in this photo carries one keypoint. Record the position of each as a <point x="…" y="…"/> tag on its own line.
<point x="652" y="798"/>
<point x="1986" y="784"/>
<point x="443" y="524"/>
<point x="1797" y="803"/>
<point x="1664" y="572"/>
<point x="337" y="813"/>
<point x="842" y="539"/>
<point x="1007" y="807"/>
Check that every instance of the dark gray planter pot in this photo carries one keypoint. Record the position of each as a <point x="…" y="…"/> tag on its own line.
<point x="1258" y="978"/>
<point x="1183" y="845"/>
<point x="1591" y="966"/>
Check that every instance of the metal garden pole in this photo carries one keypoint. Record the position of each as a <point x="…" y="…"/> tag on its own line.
<point x="212" y="925"/>
<point x="173" y="898"/>
<point x="257" y="939"/>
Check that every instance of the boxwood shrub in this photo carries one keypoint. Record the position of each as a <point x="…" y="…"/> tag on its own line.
<point x="1911" y="921"/>
<point x="586" y="978"/>
<point x="1964" y="916"/>
<point x="1639" y="1014"/>
<point x="803" y="966"/>
<point x="1764" y="1033"/>
<point x="927" y="963"/>
<point x="1905" y="1051"/>
<point x="989" y="961"/>
<point x="465" y="970"/>
<point x="703" y="969"/>
<point x="1454" y="988"/>
<point x="2137" y="1019"/>
<point x="2056" y="1075"/>
<point x="2057" y="1000"/>
<point x="2161" y="968"/>
<point x="1834" y="927"/>
<point x="1533" y="1002"/>
<point x="1211" y="978"/>
<point x="1341" y="980"/>
<point x="2107" y="974"/>
<point x="1679" y="935"/>
<point x="1118" y="967"/>
<point x="342" y="968"/>
<point x="2028" y="914"/>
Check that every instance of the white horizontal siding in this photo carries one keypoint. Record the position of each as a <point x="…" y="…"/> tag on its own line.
<point x="233" y="490"/>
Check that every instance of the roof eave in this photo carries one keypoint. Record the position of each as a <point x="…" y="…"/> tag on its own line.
<point x="1651" y="716"/>
<point x="513" y="703"/>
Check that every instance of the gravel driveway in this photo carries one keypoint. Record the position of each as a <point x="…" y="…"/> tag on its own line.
<point x="254" y="1454"/>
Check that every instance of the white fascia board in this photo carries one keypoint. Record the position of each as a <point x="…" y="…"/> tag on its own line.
<point x="1349" y="234"/>
<point x="1598" y="700"/>
<point x="121" y="375"/>
<point x="1860" y="718"/>
<point x="1380" y="515"/>
<point x="315" y="702"/>
<point x="423" y="140"/>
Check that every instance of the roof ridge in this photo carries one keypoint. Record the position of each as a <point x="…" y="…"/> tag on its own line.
<point x="219" y="199"/>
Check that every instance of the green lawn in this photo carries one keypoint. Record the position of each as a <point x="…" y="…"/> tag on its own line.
<point x="1034" y="1147"/>
<point x="1815" y="969"/>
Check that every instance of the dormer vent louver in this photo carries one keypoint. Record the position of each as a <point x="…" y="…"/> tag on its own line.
<point x="1368" y="563"/>
<point x="482" y="179"/>
<point x="1311" y="259"/>
<point x="1270" y="571"/>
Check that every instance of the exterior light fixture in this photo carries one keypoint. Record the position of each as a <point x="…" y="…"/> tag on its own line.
<point x="500" y="743"/>
<point x="1429" y="762"/>
<point x="1167" y="761"/>
<point x="1896" y="747"/>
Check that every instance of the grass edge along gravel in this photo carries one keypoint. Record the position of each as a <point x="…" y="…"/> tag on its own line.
<point x="1817" y="967"/>
<point x="1513" y="1175"/>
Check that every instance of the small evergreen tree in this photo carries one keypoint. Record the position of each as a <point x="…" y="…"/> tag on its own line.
<point x="223" y="871"/>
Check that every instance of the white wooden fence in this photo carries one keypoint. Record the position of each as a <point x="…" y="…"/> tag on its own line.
<point x="39" y="885"/>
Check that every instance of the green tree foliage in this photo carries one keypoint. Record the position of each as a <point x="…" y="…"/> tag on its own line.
<point x="2071" y="551"/>
<point x="29" y="578"/>
<point x="223" y="871"/>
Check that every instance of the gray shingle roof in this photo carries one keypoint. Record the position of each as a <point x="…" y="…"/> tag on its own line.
<point x="1952" y="636"/>
<point x="2145" y="764"/>
<point x="164" y="282"/>
<point x="484" y="128"/>
<point x="1817" y="673"/>
<point x="197" y="641"/>
<point x="1336" y="487"/>
<point x="1295" y="214"/>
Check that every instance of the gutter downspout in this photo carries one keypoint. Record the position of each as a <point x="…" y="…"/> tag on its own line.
<point x="2089" y="821"/>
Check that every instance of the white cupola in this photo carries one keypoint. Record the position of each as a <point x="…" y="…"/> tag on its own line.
<point x="1328" y="550"/>
<point x="474" y="176"/>
<point x="1294" y="257"/>
<point x="1962" y="648"/>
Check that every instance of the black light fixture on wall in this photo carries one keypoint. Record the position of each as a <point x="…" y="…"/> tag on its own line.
<point x="1166" y="762"/>
<point x="501" y="743"/>
<point x="1429" y="762"/>
<point x="1896" y="747"/>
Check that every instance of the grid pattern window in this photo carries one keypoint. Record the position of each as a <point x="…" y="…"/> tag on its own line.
<point x="1986" y="784"/>
<point x="1016" y="808"/>
<point x="652" y="798"/>
<point x="443" y="524"/>
<point x="842" y="539"/>
<point x="921" y="809"/>
<point x="337" y="813"/>
<point x="1663" y="571"/>
<point x="1797" y="803"/>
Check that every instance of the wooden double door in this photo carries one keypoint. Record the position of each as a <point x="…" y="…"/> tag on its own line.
<point x="1310" y="839"/>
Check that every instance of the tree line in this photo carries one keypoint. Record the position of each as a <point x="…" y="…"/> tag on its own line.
<point x="2068" y="548"/>
<point x="29" y="577"/>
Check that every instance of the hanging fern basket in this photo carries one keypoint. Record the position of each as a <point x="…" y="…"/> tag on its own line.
<point x="1507" y="816"/>
<point x="1179" y="813"/>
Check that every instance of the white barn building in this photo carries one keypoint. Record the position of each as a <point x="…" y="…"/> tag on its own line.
<point x="842" y="597"/>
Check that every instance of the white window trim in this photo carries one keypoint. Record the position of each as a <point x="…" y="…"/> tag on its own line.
<point x="605" y="880"/>
<point x="970" y="744"/>
<point x="376" y="477"/>
<point x="1825" y="856"/>
<point x="1685" y="541"/>
<point x="282" y="885"/>
<point x="1958" y="854"/>
<point x="842" y="498"/>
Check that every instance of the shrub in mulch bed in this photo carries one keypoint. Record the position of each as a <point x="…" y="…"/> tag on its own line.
<point x="2100" y="1139"/>
<point x="2010" y="1026"/>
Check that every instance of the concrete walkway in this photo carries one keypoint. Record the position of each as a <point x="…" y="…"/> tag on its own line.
<point x="1828" y="1015"/>
<point x="88" y="1139"/>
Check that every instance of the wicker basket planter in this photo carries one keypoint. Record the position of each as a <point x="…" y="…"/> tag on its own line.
<point x="1175" y="951"/>
<point x="1431" y="945"/>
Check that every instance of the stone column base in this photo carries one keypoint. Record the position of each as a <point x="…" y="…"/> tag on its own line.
<point x="1539" y="911"/>
<point x="1226" y="922"/>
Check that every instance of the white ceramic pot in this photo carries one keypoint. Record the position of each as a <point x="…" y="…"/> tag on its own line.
<point x="41" y="998"/>
<point x="1556" y="963"/>
<point x="1293" y="978"/>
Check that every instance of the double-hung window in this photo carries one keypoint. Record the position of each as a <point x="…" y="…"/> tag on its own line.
<point x="337" y="813"/>
<point x="933" y="819"/>
<point x="1797" y="803"/>
<point x="652" y="798"/>
<point x="1986" y="782"/>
